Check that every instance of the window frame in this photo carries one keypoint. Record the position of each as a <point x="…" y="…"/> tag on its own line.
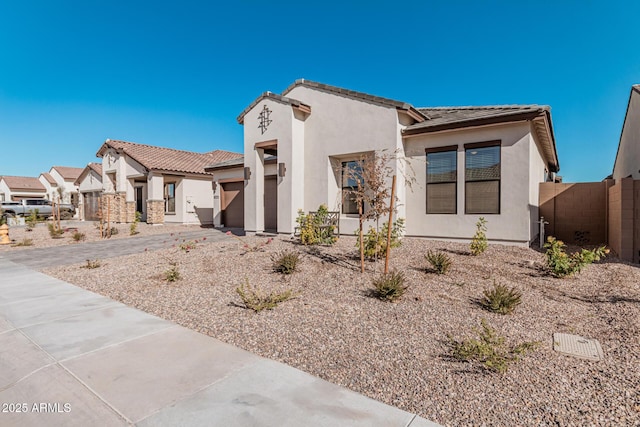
<point x="350" y="188"/>
<point x="167" y="198"/>
<point x="447" y="148"/>
<point x="477" y="145"/>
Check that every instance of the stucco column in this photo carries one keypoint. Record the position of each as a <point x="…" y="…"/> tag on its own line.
<point x="155" y="199"/>
<point x="257" y="178"/>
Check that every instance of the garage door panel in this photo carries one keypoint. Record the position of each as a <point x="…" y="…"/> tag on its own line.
<point x="233" y="204"/>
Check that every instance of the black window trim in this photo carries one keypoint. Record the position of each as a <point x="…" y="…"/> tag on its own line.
<point x="442" y="149"/>
<point x="483" y="144"/>
<point x="348" y="187"/>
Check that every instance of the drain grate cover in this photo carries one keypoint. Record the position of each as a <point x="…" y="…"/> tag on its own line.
<point x="577" y="346"/>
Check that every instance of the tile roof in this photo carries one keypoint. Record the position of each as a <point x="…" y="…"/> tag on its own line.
<point x="68" y="172"/>
<point x="360" y="96"/>
<point x="49" y="178"/>
<point x="444" y="117"/>
<point x="447" y="118"/>
<point x="235" y="163"/>
<point x="97" y="167"/>
<point x="27" y="183"/>
<point x="93" y="166"/>
<point x="168" y="159"/>
<point x="387" y="102"/>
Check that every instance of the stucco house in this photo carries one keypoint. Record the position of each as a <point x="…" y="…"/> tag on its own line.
<point x="163" y="184"/>
<point x="468" y="162"/>
<point x="627" y="163"/>
<point x="50" y="185"/>
<point x="89" y="185"/>
<point x="65" y="177"/>
<point x="15" y="188"/>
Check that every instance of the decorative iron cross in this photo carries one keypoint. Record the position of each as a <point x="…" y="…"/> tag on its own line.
<point x="264" y="119"/>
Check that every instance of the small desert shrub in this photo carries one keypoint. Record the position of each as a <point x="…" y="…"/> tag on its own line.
<point x="501" y="299"/>
<point x="172" y="274"/>
<point x="285" y="261"/>
<point x="439" y="261"/>
<point x="489" y="349"/>
<point x="188" y="246"/>
<point x="113" y="231"/>
<point x="133" y="228"/>
<point x="91" y="264"/>
<point x="390" y="286"/>
<point x="32" y="220"/>
<point x="313" y="230"/>
<point x="78" y="236"/>
<point x="54" y="232"/>
<point x="257" y="300"/>
<point x="479" y="240"/>
<point x="24" y="242"/>
<point x="560" y="264"/>
<point x="375" y="242"/>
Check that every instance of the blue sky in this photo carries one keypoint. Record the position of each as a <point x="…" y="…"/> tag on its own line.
<point x="177" y="74"/>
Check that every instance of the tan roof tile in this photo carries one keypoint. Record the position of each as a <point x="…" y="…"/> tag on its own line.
<point x="169" y="159"/>
<point x="68" y="172"/>
<point x="24" y="183"/>
<point x="49" y="178"/>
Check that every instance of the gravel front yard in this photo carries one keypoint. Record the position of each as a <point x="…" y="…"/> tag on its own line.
<point x="398" y="352"/>
<point x="40" y="237"/>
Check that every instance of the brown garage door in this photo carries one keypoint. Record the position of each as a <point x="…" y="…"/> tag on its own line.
<point x="90" y="205"/>
<point x="232" y="204"/>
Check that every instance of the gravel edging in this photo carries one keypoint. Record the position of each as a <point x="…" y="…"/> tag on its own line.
<point x="398" y="352"/>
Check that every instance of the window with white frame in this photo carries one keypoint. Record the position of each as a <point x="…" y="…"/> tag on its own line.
<point x="482" y="178"/>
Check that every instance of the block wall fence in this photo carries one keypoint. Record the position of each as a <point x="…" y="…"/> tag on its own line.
<point x="592" y="213"/>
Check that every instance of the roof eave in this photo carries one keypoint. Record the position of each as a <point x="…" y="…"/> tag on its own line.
<point x="277" y="98"/>
<point x="634" y="88"/>
<point x="512" y="117"/>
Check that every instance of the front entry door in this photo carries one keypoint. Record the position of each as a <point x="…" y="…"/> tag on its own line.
<point x="271" y="203"/>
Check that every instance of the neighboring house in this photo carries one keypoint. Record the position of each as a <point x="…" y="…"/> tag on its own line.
<point x="469" y="162"/>
<point x="50" y="185"/>
<point x="163" y="184"/>
<point x="627" y="163"/>
<point x="89" y="185"/>
<point x="65" y="178"/>
<point x="15" y="188"/>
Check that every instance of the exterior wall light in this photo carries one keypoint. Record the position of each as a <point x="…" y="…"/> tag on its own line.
<point x="247" y="173"/>
<point x="281" y="169"/>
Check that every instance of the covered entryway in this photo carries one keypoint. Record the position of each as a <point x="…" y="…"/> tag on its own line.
<point x="232" y="204"/>
<point x="271" y="203"/>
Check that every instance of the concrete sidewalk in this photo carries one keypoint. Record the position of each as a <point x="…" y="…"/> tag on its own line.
<point x="71" y="357"/>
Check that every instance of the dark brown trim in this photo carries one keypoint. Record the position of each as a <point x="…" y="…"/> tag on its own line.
<point x="495" y="142"/>
<point x="441" y="149"/>
<point x="226" y="180"/>
<point x="272" y="143"/>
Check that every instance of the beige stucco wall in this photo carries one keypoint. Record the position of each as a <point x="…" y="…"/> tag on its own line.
<point x="198" y="201"/>
<point x="281" y="129"/>
<point x="338" y="128"/>
<point x="518" y="157"/>
<point x="51" y="191"/>
<point x="67" y="186"/>
<point x="90" y="182"/>
<point x="628" y="159"/>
